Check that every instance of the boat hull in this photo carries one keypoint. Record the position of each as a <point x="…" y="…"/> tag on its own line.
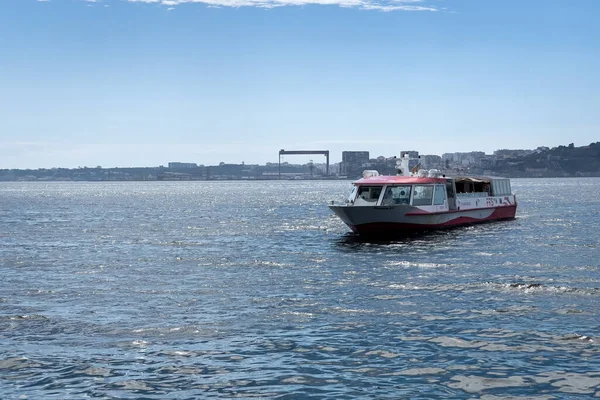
<point x="406" y="219"/>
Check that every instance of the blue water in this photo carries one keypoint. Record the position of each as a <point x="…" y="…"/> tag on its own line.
<point x="187" y="290"/>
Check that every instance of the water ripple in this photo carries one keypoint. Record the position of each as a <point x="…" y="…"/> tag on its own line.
<point x="191" y="290"/>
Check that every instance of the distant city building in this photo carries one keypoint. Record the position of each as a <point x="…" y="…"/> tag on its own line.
<point x="487" y="161"/>
<point x="335" y="169"/>
<point x="465" y="160"/>
<point x="384" y="165"/>
<point x="450" y="157"/>
<point x="506" y="153"/>
<point x="180" y="165"/>
<point x="558" y="161"/>
<point x="430" y="161"/>
<point x="411" y="153"/>
<point x="353" y="161"/>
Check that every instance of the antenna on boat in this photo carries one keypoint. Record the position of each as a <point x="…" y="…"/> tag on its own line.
<point x="399" y="168"/>
<point x="402" y="165"/>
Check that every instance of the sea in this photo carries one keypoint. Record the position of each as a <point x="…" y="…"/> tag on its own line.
<point x="239" y="289"/>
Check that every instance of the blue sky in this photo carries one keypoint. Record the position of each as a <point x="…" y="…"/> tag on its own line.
<point x="142" y="83"/>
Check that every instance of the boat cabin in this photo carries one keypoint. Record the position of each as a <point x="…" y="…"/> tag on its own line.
<point x="430" y="194"/>
<point x="397" y="194"/>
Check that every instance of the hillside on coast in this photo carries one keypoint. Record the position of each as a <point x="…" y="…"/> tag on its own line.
<point x="561" y="161"/>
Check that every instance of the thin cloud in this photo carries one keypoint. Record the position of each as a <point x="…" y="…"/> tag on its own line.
<point x="380" y="5"/>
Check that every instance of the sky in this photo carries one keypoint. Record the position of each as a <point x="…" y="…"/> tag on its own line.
<point x="118" y="83"/>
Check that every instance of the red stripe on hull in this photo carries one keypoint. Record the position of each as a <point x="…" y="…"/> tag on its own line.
<point x="380" y="228"/>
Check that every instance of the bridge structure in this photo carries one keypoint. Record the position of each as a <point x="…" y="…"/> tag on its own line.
<point x="304" y="152"/>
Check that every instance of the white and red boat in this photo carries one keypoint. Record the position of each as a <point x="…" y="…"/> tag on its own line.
<point x="419" y="200"/>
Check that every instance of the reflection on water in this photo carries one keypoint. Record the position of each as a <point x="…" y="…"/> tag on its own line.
<point x="353" y="240"/>
<point x="189" y="290"/>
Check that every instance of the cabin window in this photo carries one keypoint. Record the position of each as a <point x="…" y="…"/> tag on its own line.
<point x="396" y="195"/>
<point x="439" y="195"/>
<point x="368" y="195"/>
<point x="450" y="189"/>
<point x="423" y="195"/>
<point x="352" y="195"/>
<point x="501" y="187"/>
<point x="476" y="187"/>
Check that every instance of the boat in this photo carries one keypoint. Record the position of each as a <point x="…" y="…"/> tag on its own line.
<point x="418" y="200"/>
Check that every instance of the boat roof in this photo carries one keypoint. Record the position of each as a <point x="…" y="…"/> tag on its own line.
<point x="411" y="180"/>
<point x="394" y="179"/>
<point x="472" y="178"/>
